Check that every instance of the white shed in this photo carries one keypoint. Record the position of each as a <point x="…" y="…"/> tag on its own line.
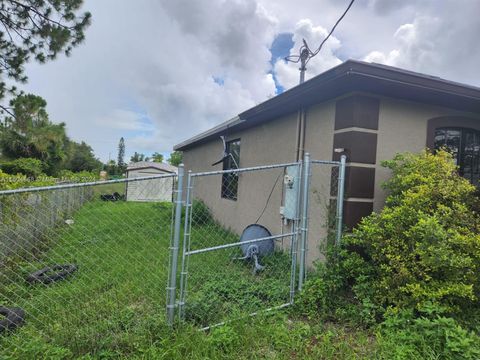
<point x="153" y="189"/>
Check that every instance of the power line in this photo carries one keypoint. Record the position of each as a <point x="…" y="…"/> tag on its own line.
<point x="305" y="54"/>
<point x="269" y="197"/>
<point x="333" y="29"/>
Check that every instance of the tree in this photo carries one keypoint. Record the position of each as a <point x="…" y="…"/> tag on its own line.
<point x="38" y="29"/>
<point x="136" y="157"/>
<point x="157" y="157"/>
<point x="81" y="158"/>
<point x="121" y="154"/>
<point x="111" y="167"/>
<point x="176" y="158"/>
<point x="29" y="133"/>
<point x="32" y="168"/>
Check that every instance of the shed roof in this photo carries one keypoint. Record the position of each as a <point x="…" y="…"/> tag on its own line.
<point x="350" y="76"/>
<point x="152" y="165"/>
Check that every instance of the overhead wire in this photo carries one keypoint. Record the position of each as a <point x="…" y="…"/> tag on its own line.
<point x="304" y="48"/>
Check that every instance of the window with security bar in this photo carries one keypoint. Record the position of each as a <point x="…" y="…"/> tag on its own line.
<point x="231" y="161"/>
<point x="464" y="144"/>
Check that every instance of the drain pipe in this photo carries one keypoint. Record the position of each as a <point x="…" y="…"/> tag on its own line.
<point x="300" y="141"/>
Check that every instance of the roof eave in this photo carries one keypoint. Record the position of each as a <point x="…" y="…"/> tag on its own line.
<point x="362" y="77"/>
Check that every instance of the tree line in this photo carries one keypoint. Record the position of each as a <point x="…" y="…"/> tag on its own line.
<point x="31" y="144"/>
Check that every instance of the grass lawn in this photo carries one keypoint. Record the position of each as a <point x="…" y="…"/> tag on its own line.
<point x="114" y="305"/>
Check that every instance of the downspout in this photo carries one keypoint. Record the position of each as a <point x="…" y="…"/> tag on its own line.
<point x="300" y="143"/>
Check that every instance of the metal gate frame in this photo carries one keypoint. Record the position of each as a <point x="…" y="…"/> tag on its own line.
<point x="299" y="230"/>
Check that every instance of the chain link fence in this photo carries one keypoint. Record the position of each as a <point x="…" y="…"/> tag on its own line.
<point x="323" y="209"/>
<point x="246" y="238"/>
<point x="238" y="247"/>
<point x="84" y="266"/>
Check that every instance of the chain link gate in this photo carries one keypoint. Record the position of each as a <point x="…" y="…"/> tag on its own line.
<point x="245" y="240"/>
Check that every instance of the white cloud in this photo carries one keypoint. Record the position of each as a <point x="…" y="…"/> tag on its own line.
<point x="439" y="41"/>
<point x="146" y="70"/>
<point x="159" y="59"/>
<point x="287" y="73"/>
<point x="122" y="119"/>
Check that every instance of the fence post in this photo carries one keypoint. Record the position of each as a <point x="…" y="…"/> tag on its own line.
<point x="340" y="196"/>
<point x="174" y="249"/>
<point x="186" y="246"/>
<point x="304" y="225"/>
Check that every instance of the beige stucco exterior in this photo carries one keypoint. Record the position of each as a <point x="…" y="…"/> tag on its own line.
<point x="271" y="143"/>
<point x="402" y="126"/>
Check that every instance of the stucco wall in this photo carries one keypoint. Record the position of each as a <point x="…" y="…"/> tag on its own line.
<point x="270" y="143"/>
<point x="319" y="143"/>
<point x="403" y="127"/>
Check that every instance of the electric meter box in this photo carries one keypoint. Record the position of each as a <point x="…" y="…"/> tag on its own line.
<point x="291" y="185"/>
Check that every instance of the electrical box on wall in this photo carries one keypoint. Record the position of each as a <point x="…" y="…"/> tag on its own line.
<point x="291" y="185"/>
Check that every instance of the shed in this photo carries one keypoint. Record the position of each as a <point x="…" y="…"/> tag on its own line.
<point x="153" y="190"/>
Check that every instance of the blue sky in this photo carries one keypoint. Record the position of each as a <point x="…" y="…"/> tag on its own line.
<point x="281" y="46"/>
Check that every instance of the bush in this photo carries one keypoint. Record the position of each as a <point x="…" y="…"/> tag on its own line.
<point x="10" y="182"/>
<point x="82" y="176"/>
<point x="422" y="248"/>
<point x="26" y="166"/>
<point x="402" y="336"/>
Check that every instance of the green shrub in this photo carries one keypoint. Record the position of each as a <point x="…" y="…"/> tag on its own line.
<point x="26" y="166"/>
<point x="82" y="176"/>
<point x="329" y="295"/>
<point x="403" y="336"/>
<point x="422" y="248"/>
<point x="10" y="182"/>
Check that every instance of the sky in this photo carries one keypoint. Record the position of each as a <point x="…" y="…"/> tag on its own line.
<point x="160" y="71"/>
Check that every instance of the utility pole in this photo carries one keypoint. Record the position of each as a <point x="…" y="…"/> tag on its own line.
<point x="304" y="55"/>
<point x="303" y="58"/>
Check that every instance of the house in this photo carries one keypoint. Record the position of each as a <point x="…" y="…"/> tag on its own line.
<point x="153" y="189"/>
<point x="368" y="111"/>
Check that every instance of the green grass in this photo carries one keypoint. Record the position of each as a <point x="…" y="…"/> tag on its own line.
<point x="114" y="305"/>
<point x="121" y="250"/>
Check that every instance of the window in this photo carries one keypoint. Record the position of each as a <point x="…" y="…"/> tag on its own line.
<point x="464" y="144"/>
<point x="231" y="161"/>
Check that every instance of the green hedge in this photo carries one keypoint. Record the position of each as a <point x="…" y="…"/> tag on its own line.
<point x="419" y="256"/>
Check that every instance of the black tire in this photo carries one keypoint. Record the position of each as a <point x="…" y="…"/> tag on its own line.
<point x="52" y="274"/>
<point x="13" y="318"/>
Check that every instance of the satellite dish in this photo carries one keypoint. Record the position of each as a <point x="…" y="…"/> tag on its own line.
<point x="254" y="250"/>
<point x="225" y="154"/>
